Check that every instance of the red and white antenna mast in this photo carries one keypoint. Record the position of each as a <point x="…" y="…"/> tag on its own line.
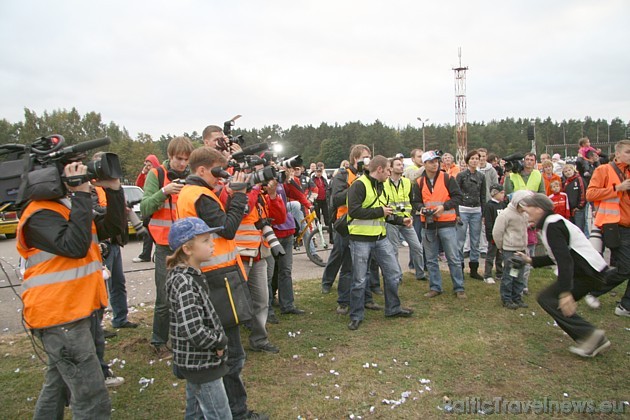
<point x="461" y="125"/>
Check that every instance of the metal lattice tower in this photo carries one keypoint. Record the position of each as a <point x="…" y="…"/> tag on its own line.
<point x="461" y="125"/>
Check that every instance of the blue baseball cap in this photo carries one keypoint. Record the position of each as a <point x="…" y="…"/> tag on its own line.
<point x="183" y="230"/>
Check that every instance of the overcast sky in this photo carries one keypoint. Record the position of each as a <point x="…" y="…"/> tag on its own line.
<point x="173" y="66"/>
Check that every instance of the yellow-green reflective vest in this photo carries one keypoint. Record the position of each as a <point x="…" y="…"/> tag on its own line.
<point x="399" y="196"/>
<point x="533" y="182"/>
<point x="370" y="227"/>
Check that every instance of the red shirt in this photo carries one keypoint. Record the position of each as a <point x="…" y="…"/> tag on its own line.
<point x="321" y="187"/>
<point x="561" y="204"/>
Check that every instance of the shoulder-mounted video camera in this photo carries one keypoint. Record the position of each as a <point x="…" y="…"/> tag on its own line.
<point x="514" y="163"/>
<point x="35" y="171"/>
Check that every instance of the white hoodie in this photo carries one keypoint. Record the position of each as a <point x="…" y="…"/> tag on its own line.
<point x="491" y="177"/>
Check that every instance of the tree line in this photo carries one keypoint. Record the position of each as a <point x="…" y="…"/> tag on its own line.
<point x="328" y="143"/>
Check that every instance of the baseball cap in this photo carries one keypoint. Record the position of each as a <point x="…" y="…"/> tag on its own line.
<point x="430" y="155"/>
<point x="183" y="230"/>
<point x="495" y="189"/>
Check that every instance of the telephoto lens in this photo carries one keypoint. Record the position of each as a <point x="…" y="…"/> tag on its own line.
<point x="596" y="239"/>
<point x="135" y="221"/>
<point x="274" y="244"/>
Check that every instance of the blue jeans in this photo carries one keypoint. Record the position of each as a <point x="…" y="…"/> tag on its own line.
<point x="431" y="240"/>
<point x="259" y="291"/>
<point x="161" y="318"/>
<point x="619" y="258"/>
<point x="415" y="247"/>
<point x="74" y="367"/>
<point x="207" y="401"/>
<point x="472" y="222"/>
<point x="339" y="261"/>
<point x="234" y="387"/>
<point x="579" y="220"/>
<point x="116" y="286"/>
<point x="511" y="287"/>
<point x="383" y="252"/>
<point x="285" y="280"/>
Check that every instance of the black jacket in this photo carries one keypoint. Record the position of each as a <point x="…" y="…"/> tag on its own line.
<point x="49" y="231"/>
<point x="570" y="263"/>
<point x="339" y="190"/>
<point x="473" y="187"/>
<point x="210" y="212"/>
<point x="356" y="196"/>
<point x="490" y="213"/>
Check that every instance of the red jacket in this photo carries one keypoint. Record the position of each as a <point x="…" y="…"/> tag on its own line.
<point x="295" y="192"/>
<point x="561" y="204"/>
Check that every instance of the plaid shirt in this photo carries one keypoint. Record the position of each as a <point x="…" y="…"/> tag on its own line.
<point x="196" y="332"/>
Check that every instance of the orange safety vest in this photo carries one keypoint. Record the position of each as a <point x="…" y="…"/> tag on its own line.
<point x="247" y="235"/>
<point x="163" y="218"/>
<point x="224" y="254"/>
<point x="609" y="210"/>
<point x="341" y="210"/>
<point x="59" y="290"/>
<point x="438" y="197"/>
<point x="102" y="196"/>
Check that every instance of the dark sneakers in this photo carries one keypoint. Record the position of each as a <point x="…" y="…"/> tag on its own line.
<point x="127" y="324"/>
<point x="266" y="348"/>
<point x="373" y="306"/>
<point x="293" y="311"/>
<point x="252" y="415"/>
<point x="510" y="305"/>
<point x="354" y="324"/>
<point x="404" y="313"/>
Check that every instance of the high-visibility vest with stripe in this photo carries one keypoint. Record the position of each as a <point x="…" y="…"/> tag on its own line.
<point x="247" y="235"/>
<point x="438" y="197"/>
<point x="369" y="227"/>
<point x="163" y="218"/>
<point x="609" y="210"/>
<point x="224" y="254"/>
<point x="341" y="210"/>
<point x="533" y="182"/>
<point x="59" y="290"/>
<point x="399" y="196"/>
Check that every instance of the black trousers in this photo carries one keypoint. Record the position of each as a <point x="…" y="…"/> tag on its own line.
<point x="577" y="327"/>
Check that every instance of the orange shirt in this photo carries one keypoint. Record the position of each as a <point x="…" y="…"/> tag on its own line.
<point x="548" y="182"/>
<point x="601" y="187"/>
<point x="453" y="170"/>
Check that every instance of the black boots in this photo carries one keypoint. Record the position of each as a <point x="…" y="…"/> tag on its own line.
<point x="474" y="266"/>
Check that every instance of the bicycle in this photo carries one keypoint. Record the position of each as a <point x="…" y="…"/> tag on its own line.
<point x="317" y="247"/>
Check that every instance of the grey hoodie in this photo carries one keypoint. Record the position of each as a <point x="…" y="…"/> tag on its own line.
<point x="491" y="178"/>
<point x="510" y="228"/>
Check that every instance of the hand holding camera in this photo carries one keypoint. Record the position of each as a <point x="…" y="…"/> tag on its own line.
<point x="523" y="257"/>
<point x="77" y="170"/>
<point x="173" y="188"/>
<point x="387" y="211"/>
<point x="239" y="182"/>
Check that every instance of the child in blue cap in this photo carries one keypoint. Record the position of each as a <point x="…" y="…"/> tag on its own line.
<point x="198" y="340"/>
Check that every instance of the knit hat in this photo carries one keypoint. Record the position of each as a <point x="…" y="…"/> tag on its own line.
<point x="495" y="189"/>
<point x="555" y="157"/>
<point x="537" y="200"/>
<point x="183" y="230"/>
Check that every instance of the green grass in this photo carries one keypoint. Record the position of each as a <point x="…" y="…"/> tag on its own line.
<point x="472" y="348"/>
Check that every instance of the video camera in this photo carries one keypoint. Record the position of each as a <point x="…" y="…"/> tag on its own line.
<point x="35" y="171"/>
<point x="514" y="163"/>
<point x="428" y="214"/>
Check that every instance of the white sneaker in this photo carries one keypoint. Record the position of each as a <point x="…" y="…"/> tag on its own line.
<point x="405" y="244"/>
<point x="114" y="381"/>
<point x="489" y="280"/>
<point x="621" y="311"/>
<point x="592" y="301"/>
<point x="592" y="346"/>
<point x="137" y="260"/>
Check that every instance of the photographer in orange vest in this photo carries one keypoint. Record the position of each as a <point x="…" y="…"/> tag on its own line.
<point x="160" y="201"/>
<point x="63" y="288"/>
<point x="610" y="190"/>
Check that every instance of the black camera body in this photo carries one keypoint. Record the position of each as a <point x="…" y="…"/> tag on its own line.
<point x="514" y="163"/>
<point x="428" y="214"/>
<point x="35" y="171"/>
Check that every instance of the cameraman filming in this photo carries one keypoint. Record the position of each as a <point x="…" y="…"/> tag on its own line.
<point x="214" y="137"/>
<point x="58" y="237"/>
<point x="524" y="177"/>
